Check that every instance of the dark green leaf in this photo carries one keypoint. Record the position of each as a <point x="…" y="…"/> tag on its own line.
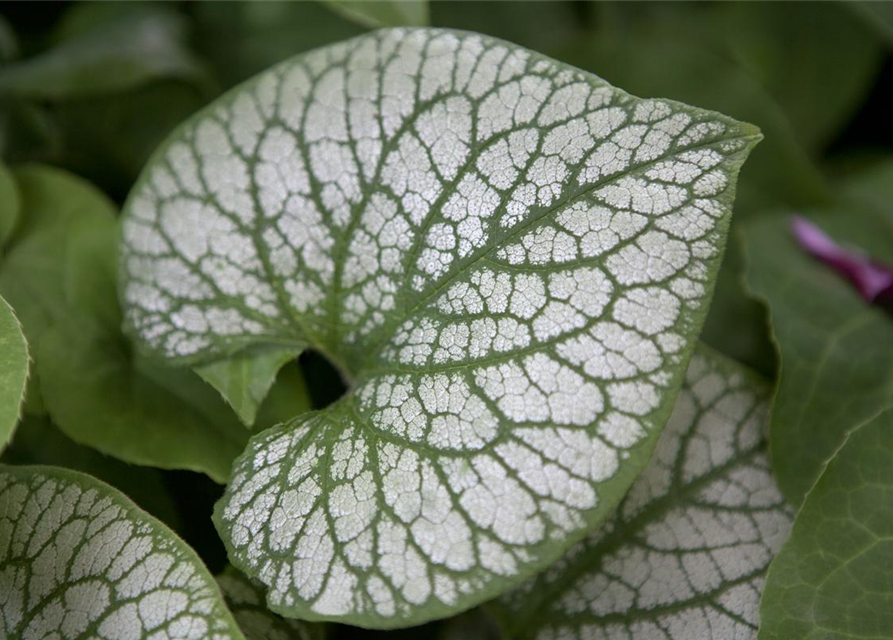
<point x="833" y="346"/>
<point x="112" y="48"/>
<point x="383" y="13"/>
<point x="833" y="580"/>
<point x="242" y="38"/>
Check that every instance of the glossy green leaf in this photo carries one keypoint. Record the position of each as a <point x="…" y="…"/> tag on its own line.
<point x="79" y="561"/>
<point x="685" y="555"/>
<point x="833" y="346"/>
<point x="383" y="13"/>
<point x="508" y="259"/>
<point x="246" y="600"/>
<point x="13" y="371"/>
<point x="245" y="379"/>
<point x="103" y="49"/>
<point x="834" y="578"/>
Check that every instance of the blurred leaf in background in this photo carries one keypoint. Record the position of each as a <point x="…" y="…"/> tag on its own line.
<point x="114" y="80"/>
<point x="834" y="346"/>
<point x="106" y="47"/>
<point x="383" y="13"/>
<point x="240" y="39"/>
<point x="38" y="441"/>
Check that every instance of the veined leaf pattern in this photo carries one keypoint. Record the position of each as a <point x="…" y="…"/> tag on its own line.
<point x="79" y="561"/>
<point x="686" y="554"/>
<point x="507" y="257"/>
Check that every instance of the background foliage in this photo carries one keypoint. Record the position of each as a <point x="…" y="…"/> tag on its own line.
<point x="89" y="89"/>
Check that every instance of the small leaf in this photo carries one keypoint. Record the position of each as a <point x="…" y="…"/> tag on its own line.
<point x="507" y="259"/>
<point x="832" y="344"/>
<point x="13" y="371"/>
<point x="246" y="600"/>
<point x="78" y="560"/>
<point x="685" y="554"/>
<point x="834" y="577"/>
<point x="114" y="48"/>
<point x="245" y="379"/>
<point x="384" y="13"/>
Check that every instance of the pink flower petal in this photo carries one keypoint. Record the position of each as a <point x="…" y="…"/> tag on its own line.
<point x="872" y="279"/>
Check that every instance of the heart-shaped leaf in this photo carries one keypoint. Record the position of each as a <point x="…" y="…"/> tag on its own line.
<point x="685" y="555"/>
<point x="79" y="561"/>
<point x="507" y="258"/>
<point x="13" y="371"/>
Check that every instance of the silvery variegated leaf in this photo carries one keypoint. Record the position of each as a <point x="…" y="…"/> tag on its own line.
<point x="247" y="602"/>
<point x="79" y="561"/>
<point x="507" y="258"/>
<point x="13" y="371"/>
<point x="686" y="553"/>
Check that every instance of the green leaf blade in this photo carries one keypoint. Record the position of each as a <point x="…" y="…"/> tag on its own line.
<point x="116" y="571"/>
<point x="834" y="577"/>
<point x="245" y="379"/>
<point x="831" y="343"/>
<point x="13" y="371"/>
<point x="685" y="554"/>
<point x="509" y="262"/>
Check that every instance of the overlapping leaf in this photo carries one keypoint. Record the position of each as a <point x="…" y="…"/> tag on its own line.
<point x="79" y="561"/>
<point x="833" y="345"/>
<point x="685" y="555"/>
<point x="508" y="258"/>
<point x="246" y="600"/>
<point x="105" y="48"/>
<point x="59" y="274"/>
<point x="13" y="371"/>
<point x="834" y="577"/>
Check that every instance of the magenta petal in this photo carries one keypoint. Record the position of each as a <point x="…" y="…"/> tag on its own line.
<point x="872" y="279"/>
